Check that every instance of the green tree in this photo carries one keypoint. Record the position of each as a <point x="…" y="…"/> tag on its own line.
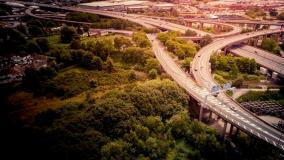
<point x="152" y="73"/>
<point x="67" y="34"/>
<point x="43" y="44"/>
<point x="238" y="83"/>
<point x="206" y="40"/>
<point x="11" y="40"/>
<point x="186" y="64"/>
<point x="90" y="61"/>
<point x="86" y="28"/>
<point x="115" y="150"/>
<point x="234" y="71"/>
<point x="83" y="17"/>
<point x="141" y="39"/>
<point x="109" y="65"/>
<point x="121" y="43"/>
<point x="104" y="47"/>
<point x="152" y="63"/>
<point x="271" y="45"/>
<point x="132" y="76"/>
<point x="22" y="28"/>
<point x="33" y="48"/>
<point x="135" y="55"/>
<point x="190" y="33"/>
<point x="76" y="44"/>
<point x="35" y="31"/>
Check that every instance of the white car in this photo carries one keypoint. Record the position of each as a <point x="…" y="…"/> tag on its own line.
<point x="233" y="108"/>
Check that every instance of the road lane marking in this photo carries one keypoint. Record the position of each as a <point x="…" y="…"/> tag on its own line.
<point x="274" y="143"/>
<point x="266" y="139"/>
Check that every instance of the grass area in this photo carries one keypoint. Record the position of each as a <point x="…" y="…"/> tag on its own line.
<point x="73" y="84"/>
<point x="251" y="80"/>
<point x="262" y="96"/>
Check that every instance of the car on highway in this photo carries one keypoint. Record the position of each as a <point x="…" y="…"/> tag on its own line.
<point x="233" y="108"/>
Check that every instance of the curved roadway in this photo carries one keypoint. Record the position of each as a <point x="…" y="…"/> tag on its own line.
<point x="219" y="105"/>
<point x="202" y="74"/>
<point x="263" y="58"/>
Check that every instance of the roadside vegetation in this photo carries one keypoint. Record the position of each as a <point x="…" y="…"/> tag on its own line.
<point x="270" y="45"/>
<point x="238" y="70"/>
<point x="102" y="98"/>
<point x="263" y="96"/>
<point x="256" y="13"/>
<point x="104" y="22"/>
<point x="182" y="49"/>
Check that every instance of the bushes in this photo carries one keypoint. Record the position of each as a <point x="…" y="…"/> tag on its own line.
<point x="260" y="96"/>
<point x="270" y="45"/>
<point x="255" y="12"/>
<point x="86" y="59"/>
<point x="206" y="40"/>
<point x="141" y="40"/>
<point x="190" y="33"/>
<point x="68" y="34"/>
<point x="82" y="17"/>
<point x="153" y="73"/>
<point x="179" y="47"/>
<point x="135" y="55"/>
<point x="219" y="79"/>
<point x="147" y="120"/>
<point x="238" y="82"/>
<point x="226" y="63"/>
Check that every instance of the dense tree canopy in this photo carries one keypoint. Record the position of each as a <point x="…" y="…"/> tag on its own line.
<point x="179" y="47"/>
<point x="147" y="121"/>
<point x="271" y="45"/>
<point x="67" y="34"/>
<point x="233" y="64"/>
<point x="141" y="39"/>
<point x="82" y="17"/>
<point x="11" y="40"/>
<point x="206" y="40"/>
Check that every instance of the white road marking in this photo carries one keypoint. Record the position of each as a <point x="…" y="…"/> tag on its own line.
<point x="274" y="143"/>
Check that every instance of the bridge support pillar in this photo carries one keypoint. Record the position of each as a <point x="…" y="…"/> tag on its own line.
<point x="231" y="129"/>
<point x="255" y="40"/>
<point x="237" y="132"/>
<point x="201" y="25"/>
<point x="201" y="113"/>
<point x="210" y="117"/>
<point x="224" y="129"/>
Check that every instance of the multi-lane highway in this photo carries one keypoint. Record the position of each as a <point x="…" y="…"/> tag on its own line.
<point x="142" y="20"/>
<point x="263" y="58"/>
<point x="202" y="74"/>
<point x="221" y="105"/>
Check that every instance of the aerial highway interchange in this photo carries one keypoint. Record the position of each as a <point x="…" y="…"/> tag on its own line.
<point x="199" y="84"/>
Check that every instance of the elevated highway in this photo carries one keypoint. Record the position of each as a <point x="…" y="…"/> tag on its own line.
<point x="221" y="105"/>
<point x="263" y="58"/>
<point x="200" y="88"/>
<point x="202" y="74"/>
